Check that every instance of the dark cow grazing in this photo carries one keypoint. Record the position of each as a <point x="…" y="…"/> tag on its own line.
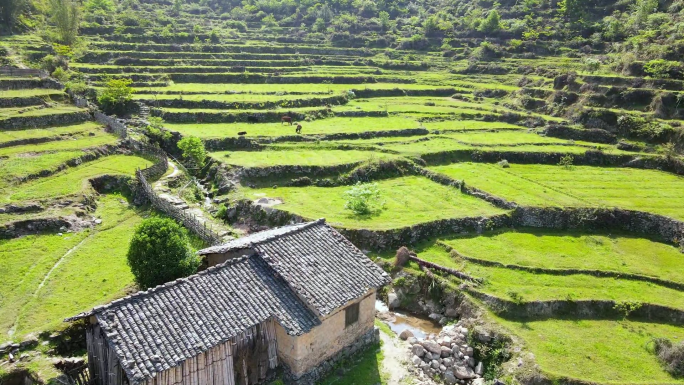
<point x="285" y="119"/>
<point x="252" y="119"/>
<point x="299" y="128"/>
<point x="242" y="133"/>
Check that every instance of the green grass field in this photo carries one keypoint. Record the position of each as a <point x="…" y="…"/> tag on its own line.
<point x="50" y="132"/>
<point x="545" y="185"/>
<point x="606" y="352"/>
<point x="408" y="201"/>
<point x="316" y="127"/>
<point x="46" y="278"/>
<point x="549" y="249"/>
<point x="311" y="157"/>
<point x="74" y="180"/>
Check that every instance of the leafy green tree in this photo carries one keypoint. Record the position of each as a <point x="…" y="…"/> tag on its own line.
<point x="363" y="199"/>
<point x="385" y="21"/>
<point x="65" y="17"/>
<point x="193" y="149"/>
<point x="660" y="68"/>
<point x="318" y="25"/>
<point x="492" y="23"/>
<point x="10" y="11"/>
<point x="159" y="252"/>
<point x="116" y="95"/>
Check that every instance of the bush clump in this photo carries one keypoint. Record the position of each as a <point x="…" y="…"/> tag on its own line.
<point x="363" y="199"/>
<point x="670" y="355"/>
<point x="116" y="96"/>
<point x="159" y="252"/>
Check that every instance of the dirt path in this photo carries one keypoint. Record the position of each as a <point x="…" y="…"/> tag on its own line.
<point x="394" y="359"/>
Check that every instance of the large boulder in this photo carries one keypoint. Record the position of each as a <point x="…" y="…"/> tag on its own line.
<point x="432" y="346"/>
<point x="418" y="350"/>
<point x="406" y="334"/>
<point x="464" y="373"/>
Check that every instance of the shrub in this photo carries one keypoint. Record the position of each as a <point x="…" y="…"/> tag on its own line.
<point x="159" y="253"/>
<point x="65" y="16"/>
<point x="504" y="163"/>
<point x="670" y="355"/>
<point x="566" y="162"/>
<point x="591" y="65"/>
<point x="60" y="74"/>
<point x="193" y="149"/>
<point x="76" y="86"/>
<point x="116" y="95"/>
<point x="660" y="68"/>
<point x="363" y="199"/>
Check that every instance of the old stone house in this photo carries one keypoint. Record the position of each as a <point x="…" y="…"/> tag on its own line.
<point x="297" y="297"/>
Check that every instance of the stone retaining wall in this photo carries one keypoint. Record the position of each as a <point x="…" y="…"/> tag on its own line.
<point x="215" y="104"/>
<point x="637" y="222"/>
<point x="541" y="270"/>
<point x="58" y="119"/>
<point x="589" y="135"/>
<point x="20" y="84"/>
<point x="367" y="341"/>
<point x="583" y="309"/>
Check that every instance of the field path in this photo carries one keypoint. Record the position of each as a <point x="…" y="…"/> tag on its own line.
<point x="395" y="353"/>
<point x="13" y="329"/>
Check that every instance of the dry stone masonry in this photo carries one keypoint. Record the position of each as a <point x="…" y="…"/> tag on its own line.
<point x="445" y="357"/>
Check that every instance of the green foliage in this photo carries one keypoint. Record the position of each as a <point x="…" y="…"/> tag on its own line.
<point x="60" y="74"/>
<point x="10" y="11"/>
<point x="193" y="149"/>
<point x="591" y="65"/>
<point x="318" y="25"/>
<point x="660" y="68"/>
<point x="566" y="161"/>
<point x="65" y="16"/>
<point x="492" y="355"/>
<point x="159" y="253"/>
<point x="116" y="95"/>
<point x="627" y="307"/>
<point x="99" y="5"/>
<point x="363" y="199"/>
<point x="78" y="87"/>
<point x="492" y="23"/>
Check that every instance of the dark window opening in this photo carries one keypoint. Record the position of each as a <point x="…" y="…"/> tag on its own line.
<point x="351" y="314"/>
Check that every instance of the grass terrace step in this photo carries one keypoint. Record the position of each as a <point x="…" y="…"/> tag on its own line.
<point x="408" y="201"/>
<point x="597" y="351"/>
<point x="32" y="117"/>
<point x="47" y="134"/>
<point x="223" y="48"/>
<point x="303" y="157"/>
<point x="545" y="185"/>
<point x="552" y="249"/>
<point x="284" y="88"/>
<point x="74" y="180"/>
<point x="263" y="78"/>
<point x="96" y="56"/>
<point x="41" y="282"/>
<point x="316" y="127"/>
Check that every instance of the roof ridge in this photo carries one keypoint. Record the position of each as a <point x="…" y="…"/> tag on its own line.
<point x="152" y="290"/>
<point x="294" y="229"/>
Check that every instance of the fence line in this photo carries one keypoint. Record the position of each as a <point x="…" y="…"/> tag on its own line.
<point x="189" y="221"/>
<point x="112" y="124"/>
<point x="153" y="172"/>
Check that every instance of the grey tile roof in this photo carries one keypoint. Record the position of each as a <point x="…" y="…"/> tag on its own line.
<point x="155" y="330"/>
<point x="295" y="269"/>
<point x="321" y="265"/>
<point x="249" y="241"/>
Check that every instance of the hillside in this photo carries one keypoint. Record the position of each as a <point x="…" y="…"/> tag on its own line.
<point x="532" y="146"/>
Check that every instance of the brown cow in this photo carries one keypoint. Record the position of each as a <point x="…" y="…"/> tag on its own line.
<point x="285" y="119"/>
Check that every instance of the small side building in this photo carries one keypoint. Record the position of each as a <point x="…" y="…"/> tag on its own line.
<point x="299" y="296"/>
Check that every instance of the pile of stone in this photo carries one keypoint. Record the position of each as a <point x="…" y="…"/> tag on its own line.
<point x="446" y="357"/>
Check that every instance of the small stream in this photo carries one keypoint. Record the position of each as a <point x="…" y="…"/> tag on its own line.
<point x="421" y="327"/>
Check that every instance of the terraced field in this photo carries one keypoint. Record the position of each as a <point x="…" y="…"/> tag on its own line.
<point x="544" y="167"/>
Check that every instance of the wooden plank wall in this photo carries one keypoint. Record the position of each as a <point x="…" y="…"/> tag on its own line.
<point x="216" y="366"/>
